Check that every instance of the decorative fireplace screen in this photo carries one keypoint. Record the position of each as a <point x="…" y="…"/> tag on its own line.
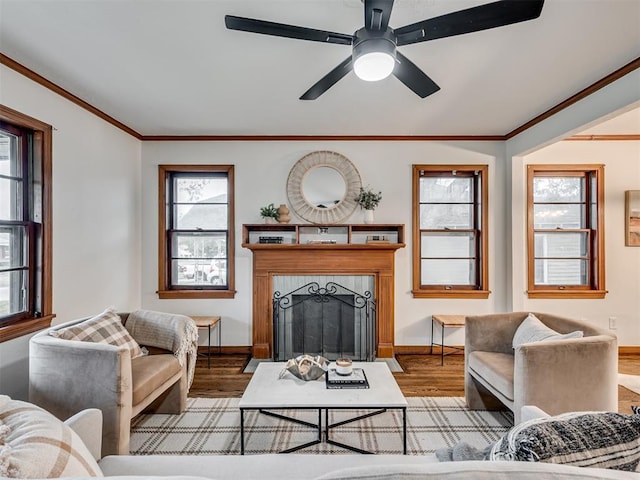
<point x="331" y="321"/>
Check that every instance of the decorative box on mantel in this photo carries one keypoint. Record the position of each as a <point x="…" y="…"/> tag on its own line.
<point x="308" y="250"/>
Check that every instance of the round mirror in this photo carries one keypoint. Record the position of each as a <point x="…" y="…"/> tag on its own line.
<point x="322" y="187"/>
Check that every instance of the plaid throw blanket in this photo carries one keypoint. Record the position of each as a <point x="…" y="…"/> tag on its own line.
<point x="176" y="333"/>
<point x="587" y="439"/>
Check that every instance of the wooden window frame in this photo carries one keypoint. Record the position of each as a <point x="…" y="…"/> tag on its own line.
<point x="482" y="260"/>
<point x="596" y="287"/>
<point x="164" y="258"/>
<point x="40" y="313"/>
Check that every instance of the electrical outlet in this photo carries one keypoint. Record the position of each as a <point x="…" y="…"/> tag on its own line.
<point x="613" y="323"/>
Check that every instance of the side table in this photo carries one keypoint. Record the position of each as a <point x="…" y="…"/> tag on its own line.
<point x="209" y="322"/>
<point x="445" y="321"/>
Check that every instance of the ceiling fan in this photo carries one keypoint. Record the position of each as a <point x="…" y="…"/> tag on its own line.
<point x="374" y="55"/>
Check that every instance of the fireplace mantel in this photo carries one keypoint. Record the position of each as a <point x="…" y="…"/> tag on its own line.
<point x="354" y="256"/>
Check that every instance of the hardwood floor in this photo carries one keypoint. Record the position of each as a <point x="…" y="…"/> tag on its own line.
<point x="423" y="376"/>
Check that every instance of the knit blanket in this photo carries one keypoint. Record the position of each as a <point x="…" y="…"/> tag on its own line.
<point x="173" y="332"/>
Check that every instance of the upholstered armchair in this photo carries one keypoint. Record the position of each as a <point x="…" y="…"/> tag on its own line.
<point x="67" y="376"/>
<point x="577" y="374"/>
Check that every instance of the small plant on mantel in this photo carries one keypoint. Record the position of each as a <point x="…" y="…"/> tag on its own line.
<point x="269" y="213"/>
<point x="368" y="199"/>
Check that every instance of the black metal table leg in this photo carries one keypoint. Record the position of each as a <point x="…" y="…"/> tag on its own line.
<point x="300" y="422"/>
<point x="241" y="431"/>
<point x="442" y="346"/>
<point x="209" y="348"/>
<point x="431" y="351"/>
<point x="404" y="431"/>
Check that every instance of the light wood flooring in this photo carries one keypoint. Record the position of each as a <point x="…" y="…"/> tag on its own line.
<point x="423" y="376"/>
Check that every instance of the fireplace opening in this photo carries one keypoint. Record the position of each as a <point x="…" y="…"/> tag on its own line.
<point x="332" y="321"/>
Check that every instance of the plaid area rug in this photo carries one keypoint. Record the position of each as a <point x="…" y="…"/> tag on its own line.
<point x="211" y="426"/>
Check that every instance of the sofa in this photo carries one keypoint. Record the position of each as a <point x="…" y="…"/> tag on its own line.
<point x="67" y="375"/>
<point x="35" y="444"/>
<point x="560" y="374"/>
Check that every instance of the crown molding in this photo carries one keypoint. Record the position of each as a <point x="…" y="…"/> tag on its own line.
<point x="303" y="138"/>
<point x="36" y="77"/>
<point x="621" y="72"/>
<point x="603" y="138"/>
<point x="612" y="77"/>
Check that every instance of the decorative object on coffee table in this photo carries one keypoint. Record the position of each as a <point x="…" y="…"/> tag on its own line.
<point x="344" y="366"/>
<point x="356" y="379"/>
<point x="306" y="367"/>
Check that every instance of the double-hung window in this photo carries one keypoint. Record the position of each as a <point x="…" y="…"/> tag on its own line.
<point x="565" y="231"/>
<point x="25" y="226"/>
<point x="450" y="231"/>
<point x="196" y="231"/>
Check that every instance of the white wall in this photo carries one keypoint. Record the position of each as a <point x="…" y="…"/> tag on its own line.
<point x="622" y="172"/>
<point x="105" y="215"/>
<point x="96" y="215"/>
<point x="261" y="170"/>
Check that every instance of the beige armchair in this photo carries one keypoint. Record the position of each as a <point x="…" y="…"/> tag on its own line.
<point x="577" y="374"/>
<point x="67" y="376"/>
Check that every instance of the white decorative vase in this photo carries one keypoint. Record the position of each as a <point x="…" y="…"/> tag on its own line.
<point x="368" y="216"/>
<point x="269" y="220"/>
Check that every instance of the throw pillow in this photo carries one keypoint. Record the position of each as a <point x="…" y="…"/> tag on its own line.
<point x="584" y="439"/>
<point x="533" y="330"/>
<point x="35" y="444"/>
<point x="104" y="328"/>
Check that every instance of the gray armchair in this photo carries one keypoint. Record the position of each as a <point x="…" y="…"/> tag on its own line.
<point x="557" y="376"/>
<point x="67" y="376"/>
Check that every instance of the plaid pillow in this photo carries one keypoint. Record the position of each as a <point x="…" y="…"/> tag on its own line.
<point x="35" y="444"/>
<point x="104" y="328"/>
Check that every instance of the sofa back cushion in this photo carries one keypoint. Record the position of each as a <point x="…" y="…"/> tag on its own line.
<point x="35" y="444"/>
<point x="106" y="327"/>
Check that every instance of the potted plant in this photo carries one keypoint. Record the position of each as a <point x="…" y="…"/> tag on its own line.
<point x="368" y="200"/>
<point x="269" y="213"/>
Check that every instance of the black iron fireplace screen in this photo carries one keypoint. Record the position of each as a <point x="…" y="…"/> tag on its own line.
<point x="331" y="321"/>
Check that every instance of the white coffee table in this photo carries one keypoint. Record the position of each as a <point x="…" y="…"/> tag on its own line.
<point x="267" y="392"/>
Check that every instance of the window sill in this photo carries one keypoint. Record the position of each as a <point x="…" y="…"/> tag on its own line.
<point x="451" y="293"/>
<point x="25" y="327"/>
<point x="189" y="294"/>
<point x="557" y="293"/>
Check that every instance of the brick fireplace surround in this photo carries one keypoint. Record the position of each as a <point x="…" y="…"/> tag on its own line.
<point x="269" y="260"/>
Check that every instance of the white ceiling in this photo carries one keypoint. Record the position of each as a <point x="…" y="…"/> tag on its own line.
<point x="170" y="67"/>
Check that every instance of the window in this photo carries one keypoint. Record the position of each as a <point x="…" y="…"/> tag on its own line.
<point x="450" y="231"/>
<point x="196" y="231"/>
<point x="25" y="224"/>
<point x="565" y="231"/>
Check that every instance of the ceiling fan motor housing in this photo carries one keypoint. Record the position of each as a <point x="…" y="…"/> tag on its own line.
<point x="367" y="41"/>
<point x="379" y="48"/>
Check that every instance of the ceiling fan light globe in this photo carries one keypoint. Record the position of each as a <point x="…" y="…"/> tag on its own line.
<point x="374" y="66"/>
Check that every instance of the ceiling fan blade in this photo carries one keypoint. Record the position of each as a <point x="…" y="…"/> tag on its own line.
<point x="377" y="13"/>
<point x="482" y="17"/>
<point x="328" y="81"/>
<point x="282" y="30"/>
<point x="414" y="78"/>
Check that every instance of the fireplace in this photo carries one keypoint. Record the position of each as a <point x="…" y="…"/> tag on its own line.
<point x="324" y="318"/>
<point x="298" y="257"/>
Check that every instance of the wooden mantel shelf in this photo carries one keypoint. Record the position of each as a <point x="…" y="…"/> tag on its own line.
<point x="260" y="246"/>
<point x="354" y="250"/>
